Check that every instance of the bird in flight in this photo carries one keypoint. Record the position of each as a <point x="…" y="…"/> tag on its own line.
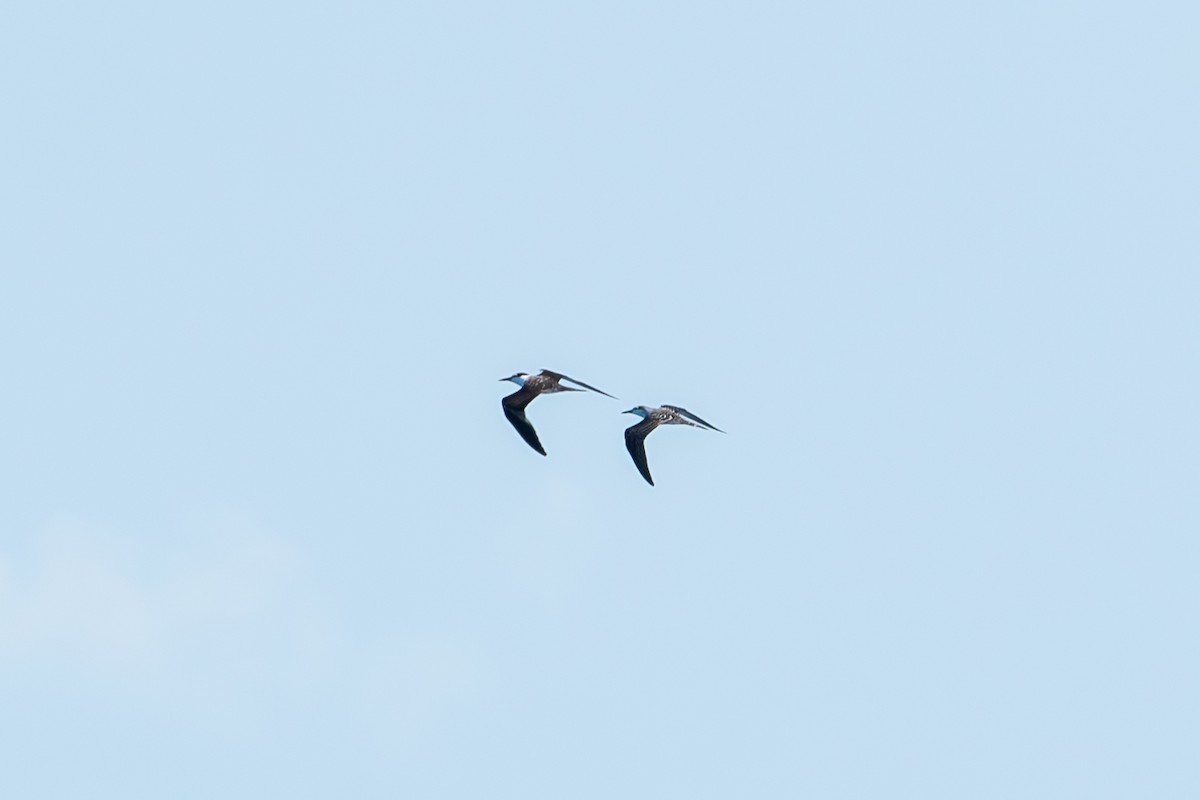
<point x="635" y="435"/>
<point x="545" y="382"/>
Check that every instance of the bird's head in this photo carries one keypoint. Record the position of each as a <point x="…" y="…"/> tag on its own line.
<point x="641" y="411"/>
<point x="519" y="378"/>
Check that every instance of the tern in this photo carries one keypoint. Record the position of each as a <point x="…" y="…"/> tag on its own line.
<point x="635" y="435"/>
<point x="545" y="382"/>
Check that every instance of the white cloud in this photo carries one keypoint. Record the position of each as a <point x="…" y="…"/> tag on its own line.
<point x="224" y="622"/>
<point x="69" y="599"/>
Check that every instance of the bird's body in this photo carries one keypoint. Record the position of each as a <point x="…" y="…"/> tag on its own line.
<point x="545" y="382"/>
<point x="635" y="435"/>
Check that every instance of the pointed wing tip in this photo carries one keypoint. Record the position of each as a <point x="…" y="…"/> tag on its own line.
<point x="516" y="417"/>
<point x="694" y="418"/>
<point x="581" y="383"/>
<point x="635" y="443"/>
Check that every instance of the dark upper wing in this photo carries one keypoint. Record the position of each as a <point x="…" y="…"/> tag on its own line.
<point x="693" y="417"/>
<point x="635" y="443"/>
<point x="514" y="410"/>
<point x="560" y="376"/>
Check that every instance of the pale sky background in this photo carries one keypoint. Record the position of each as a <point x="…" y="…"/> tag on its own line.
<point x="264" y="531"/>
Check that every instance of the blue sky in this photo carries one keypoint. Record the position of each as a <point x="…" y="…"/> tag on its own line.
<point x="266" y="532"/>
